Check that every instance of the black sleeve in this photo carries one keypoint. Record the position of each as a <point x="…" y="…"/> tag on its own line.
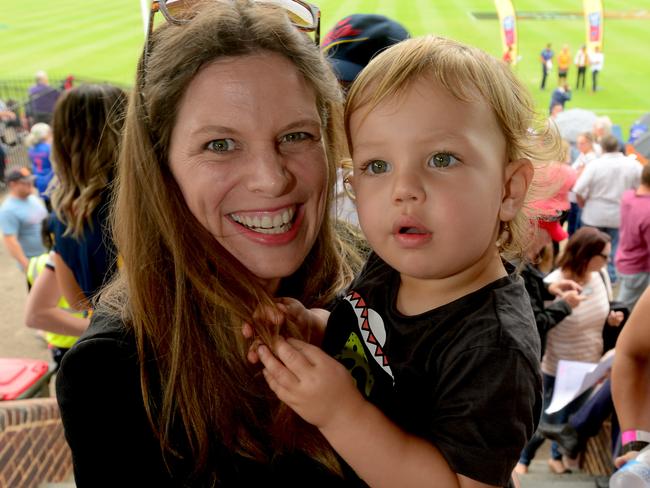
<point x="489" y="403"/>
<point x="545" y="317"/>
<point x="548" y="317"/>
<point x="104" y="419"/>
<point x="546" y="295"/>
<point x="557" y="312"/>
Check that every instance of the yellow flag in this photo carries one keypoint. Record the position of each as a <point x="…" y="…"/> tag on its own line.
<point x="508" y="27"/>
<point x="594" y="20"/>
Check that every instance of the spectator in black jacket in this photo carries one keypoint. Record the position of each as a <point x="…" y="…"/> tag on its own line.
<point x="547" y="316"/>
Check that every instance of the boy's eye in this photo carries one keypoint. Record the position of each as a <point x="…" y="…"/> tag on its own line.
<point x="296" y="137"/>
<point x="377" y="166"/>
<point x="442" y="160"/>
<point x="221" y="145"/>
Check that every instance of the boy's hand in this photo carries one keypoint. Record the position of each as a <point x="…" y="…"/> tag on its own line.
<point x="311" y="322"/>
<point x="313" y="384"/>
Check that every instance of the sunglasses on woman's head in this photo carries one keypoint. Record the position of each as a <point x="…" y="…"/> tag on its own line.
<point x="303" y="15"/>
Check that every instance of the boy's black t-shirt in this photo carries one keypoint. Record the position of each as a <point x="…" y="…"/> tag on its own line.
<point x="465" y="376"/>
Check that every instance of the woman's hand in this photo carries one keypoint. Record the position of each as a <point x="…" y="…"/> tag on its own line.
<point x="316" y="386"/>
<point x="615" y="318"/>
<point x="628" y="456"/>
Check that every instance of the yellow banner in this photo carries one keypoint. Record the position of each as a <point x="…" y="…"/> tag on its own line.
<point x="508" y="27"/>
<point x="594" y="20"/>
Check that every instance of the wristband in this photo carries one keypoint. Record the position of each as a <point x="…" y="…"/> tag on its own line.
<point x="635" y="435"/>
<point x="633" y="446"/>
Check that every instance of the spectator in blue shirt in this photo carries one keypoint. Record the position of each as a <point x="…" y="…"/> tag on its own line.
<point x="21" y="216"/>
<point x="546" y="57"/>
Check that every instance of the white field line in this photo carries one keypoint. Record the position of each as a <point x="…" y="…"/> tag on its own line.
<point x="620" y="110"/>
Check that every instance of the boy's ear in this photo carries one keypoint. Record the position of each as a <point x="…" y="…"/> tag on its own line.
<point x="518" y="176"/>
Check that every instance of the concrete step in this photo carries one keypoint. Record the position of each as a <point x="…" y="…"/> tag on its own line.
<point x="540" y="476"/>
<point x="68" y="483"/>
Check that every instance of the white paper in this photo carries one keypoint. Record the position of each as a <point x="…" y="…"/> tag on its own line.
<point x="575" y="377"/>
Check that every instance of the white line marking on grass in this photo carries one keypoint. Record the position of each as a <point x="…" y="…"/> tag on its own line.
<point x="620" y="110"/>
<point x="472" y="17"/>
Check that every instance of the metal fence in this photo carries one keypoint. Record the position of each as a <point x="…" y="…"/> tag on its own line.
<point x="14" y="93"/>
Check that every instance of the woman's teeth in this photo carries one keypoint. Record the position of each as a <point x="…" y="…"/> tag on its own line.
<point x="267" y="224"/>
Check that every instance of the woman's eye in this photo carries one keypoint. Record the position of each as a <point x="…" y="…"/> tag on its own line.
<point x="377" y="166"/>
<point x="296" y="137"/>
<point x="221" y="145"/>
<point x="442" y="160"/>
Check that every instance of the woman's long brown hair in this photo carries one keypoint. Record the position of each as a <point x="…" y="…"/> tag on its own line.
<point x="183" y="295"/>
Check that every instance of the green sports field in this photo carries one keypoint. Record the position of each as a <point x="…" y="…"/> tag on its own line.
<point x="100" y="40"/>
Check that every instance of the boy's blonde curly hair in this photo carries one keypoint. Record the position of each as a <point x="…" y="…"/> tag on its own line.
<point x="469" y="74"/>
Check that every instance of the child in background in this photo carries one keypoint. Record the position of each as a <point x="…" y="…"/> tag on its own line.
<point x="567" y="291"/>
<point x="39" y="142"/>
<point x="439" y="337"/>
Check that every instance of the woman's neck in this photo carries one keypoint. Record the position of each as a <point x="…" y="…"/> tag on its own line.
<point x="271" y="285"/>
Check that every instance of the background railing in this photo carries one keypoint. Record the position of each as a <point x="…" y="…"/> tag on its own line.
<point x="14" y="92"/>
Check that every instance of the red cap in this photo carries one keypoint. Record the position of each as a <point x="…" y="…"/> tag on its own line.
<point x="554" y="229"/>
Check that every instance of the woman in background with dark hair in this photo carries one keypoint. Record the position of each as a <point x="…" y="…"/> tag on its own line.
<point x="579" y="336"/>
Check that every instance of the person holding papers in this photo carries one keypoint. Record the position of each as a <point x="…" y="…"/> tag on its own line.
<point x="579" y="336"/>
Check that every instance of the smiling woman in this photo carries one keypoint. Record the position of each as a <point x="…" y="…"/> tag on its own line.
<point x="225" y="179"/>
<point x="241" y="173"/>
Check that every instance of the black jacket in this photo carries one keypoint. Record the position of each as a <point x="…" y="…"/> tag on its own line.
<point x="546" y="317"/>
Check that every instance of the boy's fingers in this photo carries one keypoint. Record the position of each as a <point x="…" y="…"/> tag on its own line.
<point x="291" y="354"/>
<point x="252" y="356"/>
<point x="275" y="367"/>
<point x="268" y="314"/>
<point x="310" y="352"/>
<point x="247" y="330"/>
<point x="292" y="307"/>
